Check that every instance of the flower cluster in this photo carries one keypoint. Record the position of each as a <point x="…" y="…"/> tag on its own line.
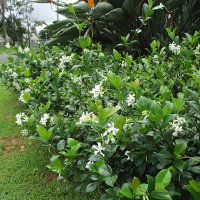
<point x="110" y="133"/>
<point x="131" y="100"/>
<point x="24" y="132"/>
<point x="7" y="45"/>
<point x="86" y="117"/>
<point x="44" y="119"/>
<point x="21" y="117"/>
<point x="176" y="125"/>
<point x="97" y="91"/>
<point x="197" y="50"/>
<point x="98" y="149"/>
<point x="176" y="49"/>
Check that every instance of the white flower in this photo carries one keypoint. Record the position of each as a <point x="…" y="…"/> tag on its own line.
<point x="20" y="50"/>
<point x="43" y="63"/>
<point x="161" y="6"/>
<point x="76" y="79"/>
<point x="26" y="50"/>
<point x="175" y="48"/>
<point x="123" y="64"/>
<point x="49" y="59"/>
<point x="88" y="164"/>
<point x="181" y="120"/>
<point x="44" y="119"/>
<point x="155" y="56"/>
<point x="7" y="45"/>
<point x="98" y="149"/>
<point x="16" y="85"/>
<point x="131" y="100"/>
<point x="97" y="91"/>
<point x="14" y="75"/>
<point x="65" y="59"/>
<point x="24" y="132"/>
<point x="127" y="126"/>
<point x="21" y="117"/>
<point x="25" y="119"/>
<point x="86" y="117"/>
<point x="176" y="125"/>
<point x="112" y="128"/>
<point x="197" y="50"/>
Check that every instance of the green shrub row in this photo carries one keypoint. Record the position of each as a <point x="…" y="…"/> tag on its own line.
<point x="126" y="128"/>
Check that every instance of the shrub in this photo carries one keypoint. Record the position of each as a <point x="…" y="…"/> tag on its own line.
<point x="115" y="122"/>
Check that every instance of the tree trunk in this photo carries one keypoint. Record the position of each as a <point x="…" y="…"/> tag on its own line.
<point x="3" y="6"/>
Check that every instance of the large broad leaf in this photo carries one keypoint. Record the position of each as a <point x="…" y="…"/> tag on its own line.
<point x="111" y="180"/>
<point x="129" y="7"/>
<point x="43" y="133"/>
<point x="163" y="178"/>
<point x="180" y="146"/>
<point x="57" y="25"/>
<point x="69" y="35"/>
<point x="111" y="111"/>
<point x="161" y="195"/>
<point x="115" y="15"/>
<point x="126" y="191"/>
<point x="101" y="9"/>
<point x="91" y="187"/>
<point x="71" y="31"/>
<point x="80" y="9"/>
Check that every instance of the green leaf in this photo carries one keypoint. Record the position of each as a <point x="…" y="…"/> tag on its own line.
<point x="112" y="192"/>
<point x="135" y="183"/>
<point x="143" y="103"/>
<point x="195" y="185"/>
<point x="179" y="102"/>
<point x="156" y="112"/>
<point x="111" y="180"/>
<point x="167" y="119"/>
<point x="115" y="81"/>
<point x="95" y="157"/>
<point x="111" y="111"/>
<point x="128" y="59"/>
<point x="117" y="55"/>
<point x="163" y="177"/>
<point x="43" y="133"/>
<point x="56" y="165"/>
<point x="153" y="44"/>
<point x="72" y="142"/>
<point x="179" y="164"/>
<point x="126" y="192"/>
<point x="71" y="9"/>
<point x="195" y="194"/>
<point x="47" y="106"/>
<point x="161" y="196"/>
<point x="103" y="170"/>
<point x="27" y="97"/>
<point x="91" y="187"/>
<point x="99" y="107"/>
<point x="151" y="184"/>
<point x="27" y="72"/>
<point x="195" y="169"/>
<point x="141" y="190"/>
<point x="180" y="146"/>
<point x="83" y="43"/>
<point x="61" y="145"/>
<point x="167" y="109"/>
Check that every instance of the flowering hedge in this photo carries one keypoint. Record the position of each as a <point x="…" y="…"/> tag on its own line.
<point x="126" y="128"/>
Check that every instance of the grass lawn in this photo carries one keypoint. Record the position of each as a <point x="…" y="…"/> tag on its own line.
<point x="5" y="51"/>
<point x="23" y="172"/>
